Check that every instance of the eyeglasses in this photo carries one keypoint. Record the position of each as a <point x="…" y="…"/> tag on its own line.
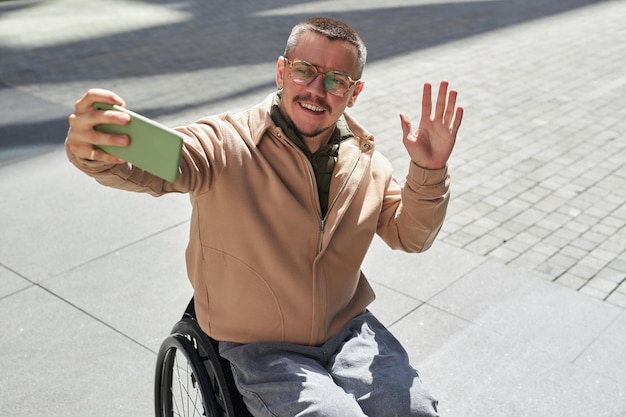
<point x="335" y="82"/>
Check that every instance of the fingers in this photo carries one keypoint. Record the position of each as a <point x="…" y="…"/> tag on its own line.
<point x="86" y="150"/>
<point x="450" y="107"/>
<point x="441" y="100"/>
<point x="95" y="95"/>
<point x="427" y="104"/>
<point x="457" y="121"/>
<point x="446" y="110"/>
<point x="82" y="138"/>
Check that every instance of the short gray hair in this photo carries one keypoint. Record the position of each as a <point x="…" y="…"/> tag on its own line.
<point x="333" y="29"/>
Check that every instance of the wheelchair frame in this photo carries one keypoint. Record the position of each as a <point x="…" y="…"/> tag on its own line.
<point x="192" y="379"/>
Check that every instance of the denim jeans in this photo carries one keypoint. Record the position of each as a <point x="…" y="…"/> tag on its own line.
<point x="362" y="371"/>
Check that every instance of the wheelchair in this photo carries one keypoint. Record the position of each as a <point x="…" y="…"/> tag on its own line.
<point x="192" y="379"/>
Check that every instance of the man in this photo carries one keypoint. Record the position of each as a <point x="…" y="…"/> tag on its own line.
<point x="286" y="199"/>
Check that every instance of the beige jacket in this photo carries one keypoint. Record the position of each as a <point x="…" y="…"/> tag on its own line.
<point x="263" y="263"/>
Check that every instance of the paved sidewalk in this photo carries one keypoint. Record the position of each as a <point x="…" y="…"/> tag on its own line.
<point x="518" y="309"/>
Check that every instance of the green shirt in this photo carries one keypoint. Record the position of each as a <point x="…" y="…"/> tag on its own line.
<point x="323" y="160"/>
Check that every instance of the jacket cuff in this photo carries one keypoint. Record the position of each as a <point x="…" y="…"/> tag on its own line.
<point x="419" y="176"/>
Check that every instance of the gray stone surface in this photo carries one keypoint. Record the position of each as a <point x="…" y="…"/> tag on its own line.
<point x="517" y="310"/>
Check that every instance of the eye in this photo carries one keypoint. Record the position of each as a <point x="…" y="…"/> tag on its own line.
<point x="303" y="70"/>
<point x="338" y="79"/>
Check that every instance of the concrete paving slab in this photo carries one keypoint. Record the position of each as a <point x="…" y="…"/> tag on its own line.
<point x="11" y="282"/>
<point x="475" y="371"/>
<point x="607" y="354"/>
<point x="57" y="218"/>
<point x="58" y="361"/>
<point x="501" y="342"/>
<point x="29" y="133"/>
<point x="527" y="309"/>
<point x="140" y="290"/>
<point x="391" y="305"/>
<point x="418" y="275"/>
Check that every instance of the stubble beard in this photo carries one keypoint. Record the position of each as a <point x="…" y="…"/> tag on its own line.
<point x="317" y="132"/>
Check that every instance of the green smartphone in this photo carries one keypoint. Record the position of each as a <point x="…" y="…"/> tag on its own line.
<point x="153" y="147"/>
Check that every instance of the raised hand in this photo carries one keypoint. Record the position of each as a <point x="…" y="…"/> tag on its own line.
<point x="431" y="144"/>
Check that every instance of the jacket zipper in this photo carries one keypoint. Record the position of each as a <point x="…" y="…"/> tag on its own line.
<point x="330" y="206"/>
<point x="322" y="228"/>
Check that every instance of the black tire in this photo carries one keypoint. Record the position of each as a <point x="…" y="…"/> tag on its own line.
<point x="182" y="385"/>
<point x="218" y="371"/>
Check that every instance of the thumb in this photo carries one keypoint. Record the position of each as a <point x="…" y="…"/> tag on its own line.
<point x="406" y="125"/>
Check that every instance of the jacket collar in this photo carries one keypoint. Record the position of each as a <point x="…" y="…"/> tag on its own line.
<point x="260" y="118"/>
<point x="341" y="132"/>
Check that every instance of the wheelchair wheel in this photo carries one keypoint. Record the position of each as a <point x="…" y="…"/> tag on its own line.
<point x="228" y="402"/>
<point x="182" y="385"/>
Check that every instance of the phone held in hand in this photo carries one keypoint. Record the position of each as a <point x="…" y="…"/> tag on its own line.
<point x="153" y="147"/>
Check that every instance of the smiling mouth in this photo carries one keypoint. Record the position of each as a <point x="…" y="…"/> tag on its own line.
<point x="312" y="108"/>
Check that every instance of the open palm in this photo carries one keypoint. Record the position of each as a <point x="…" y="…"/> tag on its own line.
<point x="432" y="142"/>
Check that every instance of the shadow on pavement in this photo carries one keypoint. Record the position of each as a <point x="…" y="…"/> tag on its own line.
<point x="223" y="35"/>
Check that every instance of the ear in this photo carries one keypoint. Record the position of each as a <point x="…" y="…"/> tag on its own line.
<point x="358" y="87"/>
<point x="280" y="72"/>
